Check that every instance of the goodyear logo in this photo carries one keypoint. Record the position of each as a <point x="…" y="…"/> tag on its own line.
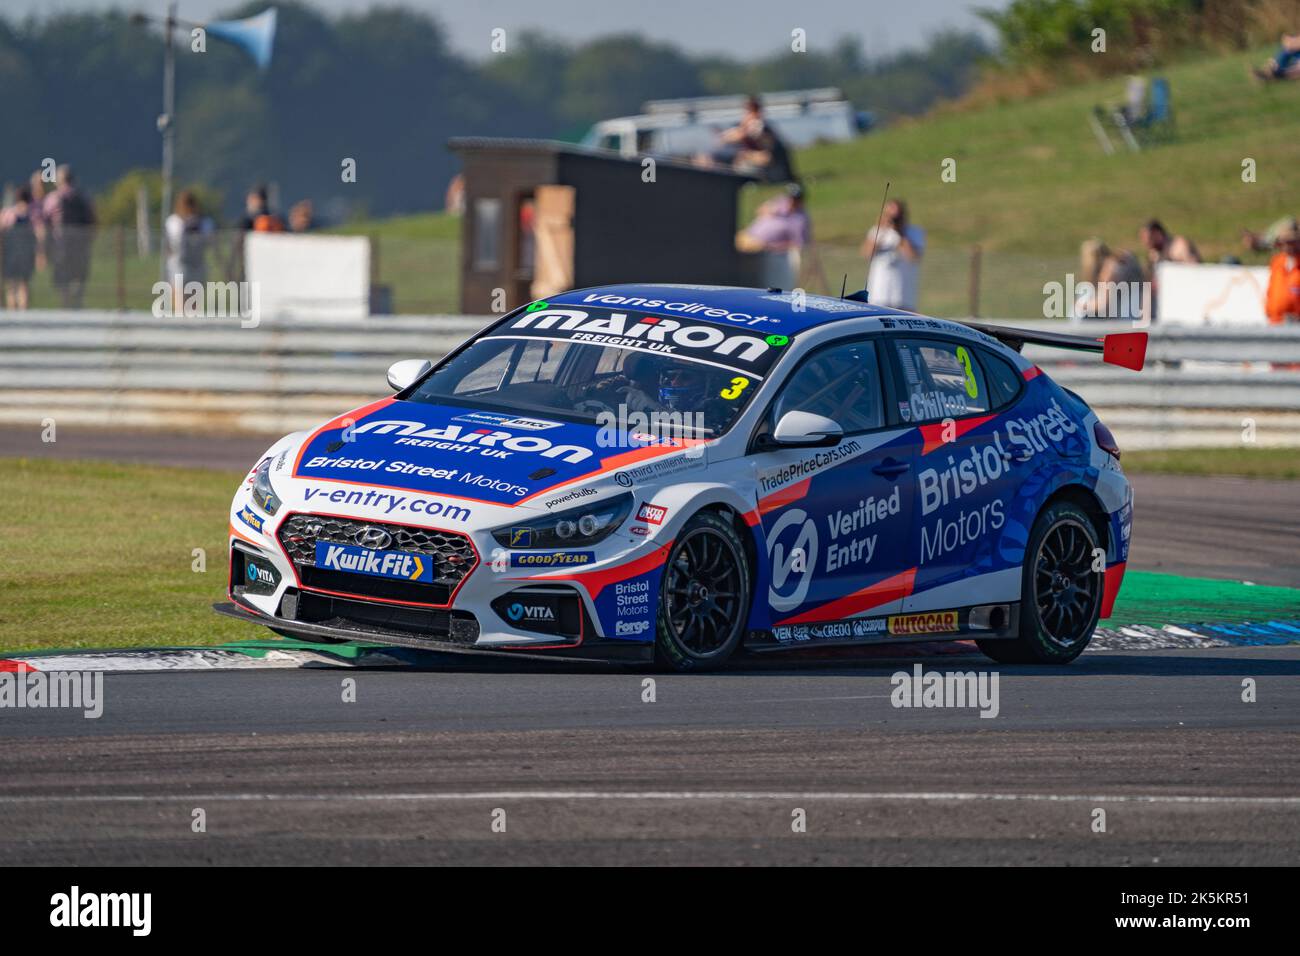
<point x="551" y="559"/>
<point x="251" y="518"/>
<point x="402" y="565"/>
<point x="933" y="622"/>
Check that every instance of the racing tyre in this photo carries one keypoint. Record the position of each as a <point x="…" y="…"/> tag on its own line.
<point x="703" y="597"/>
<point x="1060" y="595"/>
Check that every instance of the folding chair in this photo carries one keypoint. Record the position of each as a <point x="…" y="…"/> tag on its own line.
<point x="1143" y="119"/>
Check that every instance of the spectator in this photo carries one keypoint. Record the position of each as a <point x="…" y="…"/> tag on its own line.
<point x="894" y="248"/>
<point x="258" y="216"/>
<point x="1285" y="65"/>
<point x="1162" y="247"/>
<point x="18" y="252"/>
<point x="454" y="201"/>
<point x="302" y="216"/>
<point x="188" y="234"/>
<point x="781" y="224"/>
<point x="1266" y="242"/>
<point x="70" y="218"/>
<point x="1282" y="301"/>
<point x="1114" y="289"/>
<point x="37" y="185"/>
<point x="753" y="146"/>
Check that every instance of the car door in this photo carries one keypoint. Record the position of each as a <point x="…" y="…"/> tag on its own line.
<point x="836" y="519"/>
<point x="962" y="473"/>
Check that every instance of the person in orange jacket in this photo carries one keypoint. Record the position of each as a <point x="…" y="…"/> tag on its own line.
<point x="1282" y="301"/>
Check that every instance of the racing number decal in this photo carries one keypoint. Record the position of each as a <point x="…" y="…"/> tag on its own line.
<point x="738" y="385"/>
<point x="972" y="389"/>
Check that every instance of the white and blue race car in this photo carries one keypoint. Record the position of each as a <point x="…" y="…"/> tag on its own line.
<point x="670" y="473"/>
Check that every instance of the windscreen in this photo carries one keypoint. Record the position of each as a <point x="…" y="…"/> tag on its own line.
<point x="672" y="375"/>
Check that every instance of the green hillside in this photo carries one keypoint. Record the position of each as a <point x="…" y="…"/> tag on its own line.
<point x="1032" y="182"/>
<point x="1031" y="177"/>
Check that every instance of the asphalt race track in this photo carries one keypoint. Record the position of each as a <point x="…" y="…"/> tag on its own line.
<point x="418" y="768"/>
<point x="711" y="772"/>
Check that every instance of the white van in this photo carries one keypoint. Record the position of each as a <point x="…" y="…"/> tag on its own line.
<point x="689" y="126"/>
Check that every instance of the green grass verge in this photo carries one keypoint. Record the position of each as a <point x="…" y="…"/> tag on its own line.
<point x="1155" y="599"/>
<point x="99" y="555"/>
<point x="1243" y="462"/>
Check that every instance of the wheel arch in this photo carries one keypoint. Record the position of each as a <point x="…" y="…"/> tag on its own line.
<point x="742" y="528"/>
<point x="1086" y="500"/>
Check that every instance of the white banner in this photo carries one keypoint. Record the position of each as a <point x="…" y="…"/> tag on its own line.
<point x="309" y="277"/>
<point x="1218" y="295"/>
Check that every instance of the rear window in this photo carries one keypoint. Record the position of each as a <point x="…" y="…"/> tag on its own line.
<point x="1003" y="378"/>
<point x="941" y="379"/>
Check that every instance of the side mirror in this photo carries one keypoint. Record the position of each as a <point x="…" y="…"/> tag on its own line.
<point x="807" y="430"/>
<point x="402" y="374"/>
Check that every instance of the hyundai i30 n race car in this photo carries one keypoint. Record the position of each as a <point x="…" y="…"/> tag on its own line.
<point x="671" y="473"/>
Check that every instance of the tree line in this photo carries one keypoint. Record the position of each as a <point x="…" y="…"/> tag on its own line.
<point x="382" y="88"/>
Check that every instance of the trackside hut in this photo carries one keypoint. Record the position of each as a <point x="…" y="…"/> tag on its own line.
<point x="541" y="217"/>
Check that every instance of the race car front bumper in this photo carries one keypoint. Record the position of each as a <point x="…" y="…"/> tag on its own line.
<point x="605" y="651"/>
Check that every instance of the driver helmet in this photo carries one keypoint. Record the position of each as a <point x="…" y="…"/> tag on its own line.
<point x="642" y="372"/>
<point x="682" y="388"/>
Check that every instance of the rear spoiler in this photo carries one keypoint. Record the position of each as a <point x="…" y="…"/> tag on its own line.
<point x="1126" y="349"/>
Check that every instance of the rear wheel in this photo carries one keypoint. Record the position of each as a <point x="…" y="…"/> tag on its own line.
<point x="703" y="597"/>
<point x="1060" y="595"/>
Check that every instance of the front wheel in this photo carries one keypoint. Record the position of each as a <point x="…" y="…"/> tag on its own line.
<point x="1060" y="594"/>
<point x="703" y="597"/>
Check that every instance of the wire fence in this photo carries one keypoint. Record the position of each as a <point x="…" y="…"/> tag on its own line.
<point x="116" y="268"/>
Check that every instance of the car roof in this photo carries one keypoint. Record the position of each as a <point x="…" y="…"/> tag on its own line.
<point x="772" y="309"/>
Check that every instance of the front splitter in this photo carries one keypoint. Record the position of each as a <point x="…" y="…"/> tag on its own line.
<point x="587" y="654"/>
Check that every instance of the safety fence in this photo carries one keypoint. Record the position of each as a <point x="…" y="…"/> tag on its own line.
<point x="1201" y="387"/>
<point x="415" y="269"/>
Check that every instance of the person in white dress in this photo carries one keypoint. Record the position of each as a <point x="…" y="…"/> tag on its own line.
<point x="894" y="248"/>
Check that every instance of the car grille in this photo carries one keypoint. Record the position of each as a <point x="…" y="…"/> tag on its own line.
<point x="451" y="554"/>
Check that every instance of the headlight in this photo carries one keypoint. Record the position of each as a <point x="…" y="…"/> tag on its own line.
<point x="263" y="495"/>
<point x="579" y="526"/>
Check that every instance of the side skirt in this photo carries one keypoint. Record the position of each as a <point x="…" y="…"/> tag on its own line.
<point x="985" y="621"/>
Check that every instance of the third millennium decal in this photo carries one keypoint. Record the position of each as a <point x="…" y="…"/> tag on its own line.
<point x="933" y="622"/>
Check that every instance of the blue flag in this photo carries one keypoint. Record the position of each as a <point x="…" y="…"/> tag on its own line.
<point x="254" y="36"/>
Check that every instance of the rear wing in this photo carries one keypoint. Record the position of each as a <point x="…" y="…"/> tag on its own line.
<point x="1126" y="349"/>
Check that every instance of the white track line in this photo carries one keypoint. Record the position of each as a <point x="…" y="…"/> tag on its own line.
<point x="687" y="795"/>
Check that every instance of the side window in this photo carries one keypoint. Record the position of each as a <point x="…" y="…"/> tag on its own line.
<point x="1003" y="378"/>
<point x="941" y="380"/>
<point x="841" y="382"/>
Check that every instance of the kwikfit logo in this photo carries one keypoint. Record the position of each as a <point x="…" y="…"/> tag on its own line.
<point x="386" y="563"/>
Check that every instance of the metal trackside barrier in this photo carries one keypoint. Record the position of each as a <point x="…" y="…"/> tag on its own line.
<point x="1201" y="387"/>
